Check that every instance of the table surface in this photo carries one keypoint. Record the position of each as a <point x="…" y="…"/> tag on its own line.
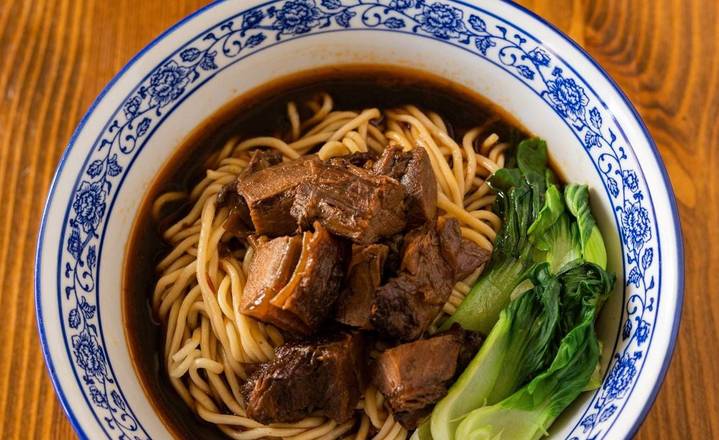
<point x="58" y="54"/>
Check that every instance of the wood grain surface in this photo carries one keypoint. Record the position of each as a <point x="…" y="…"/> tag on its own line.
<point x="58" y="54"/>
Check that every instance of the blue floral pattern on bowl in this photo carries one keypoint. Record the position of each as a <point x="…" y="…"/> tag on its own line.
<point x="454" y="23"/>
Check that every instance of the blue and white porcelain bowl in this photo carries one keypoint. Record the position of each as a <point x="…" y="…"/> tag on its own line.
<point x="502" y="51"/>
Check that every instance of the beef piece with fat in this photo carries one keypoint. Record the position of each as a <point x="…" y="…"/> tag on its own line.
<point x="320" y="378"/>
<point x="238" y="220"/>
<point x="413" y="170"/>
<point x="415" y="375"/>
<point x="270" y="193"/>
<point x="364" y="276"/>
<point x="293" y="282"/>
<point x="350" y="202"/>
<point x="434" y="257"/>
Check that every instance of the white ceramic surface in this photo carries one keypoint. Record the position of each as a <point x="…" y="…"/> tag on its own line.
<point x="504" y="52"/>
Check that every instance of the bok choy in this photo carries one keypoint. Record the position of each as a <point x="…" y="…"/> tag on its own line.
<point x="536" y="360"/>
<point x="537" y="302"/>
<point x="577" y="199"/>
<point x="541" y="223"/>
<point x="518" y="347"/>
<point x="528" y="412"/>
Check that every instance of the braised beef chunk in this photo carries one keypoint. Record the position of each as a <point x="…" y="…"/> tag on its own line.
<point x="399" y="311"/>
<point x="471" y="256"/>
<point x="422" y="258"/>
<point x="260" y="160"/>
<point x="364" y="276"/>
<point x="414" y="171"/>
<point x="293" y="282"/>
<point x="394" y="255"/>
<point x="323" y="378"/>
<point x="393" y="162"/>
<point x="270" y="270"/>
<point x="450" y="240"/>
<point x="421" y="186"/>
<point x="434" y="257"/>
<point x="413" y="376"/>
<point x="464" y="256"/>
<point x="251" y="368"/>
<point x="350" y="202"/>
<point x="270" y="192"/>
<point x="238" y="221"/>
<point x="226" y="193"/>
<point x="359" y="159"/>
<point x="406" y="305"/>
<point x="315" y="284"/>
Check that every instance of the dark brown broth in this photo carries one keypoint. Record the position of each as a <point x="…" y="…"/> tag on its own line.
<point x="262" y="111"/>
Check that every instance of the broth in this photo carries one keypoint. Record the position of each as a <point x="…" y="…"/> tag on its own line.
<point x="262" y="111"/>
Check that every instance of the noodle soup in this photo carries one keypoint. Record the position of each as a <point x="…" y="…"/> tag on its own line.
<point x="192" y="355"/>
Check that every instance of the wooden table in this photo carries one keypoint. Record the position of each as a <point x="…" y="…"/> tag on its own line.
<point x="58" y="54"/>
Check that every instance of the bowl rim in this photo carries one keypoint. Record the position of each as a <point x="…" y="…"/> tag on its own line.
<point x="675" y="220"/>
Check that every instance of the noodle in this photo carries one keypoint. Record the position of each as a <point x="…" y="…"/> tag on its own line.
<point x="198" y="293"/>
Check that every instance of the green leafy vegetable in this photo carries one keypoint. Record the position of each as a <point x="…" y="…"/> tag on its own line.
<point x="559" y="245"/>
<point x="518" y="347"/>
<point x="533" y="326"/>
<point x="505" y="179"/>
<point x="528" y="413"/>
<point x="532" y="162"/>
<point x="517" y="193"/>
<point x="550" y="212"/>
<point x="537" y="301"/>
<point x="515" y="208"/>
<point x="584" y="286"/>
<point x="479" y="311"/>
<point x="541" y="223"/>
<point x="577" y="200"/>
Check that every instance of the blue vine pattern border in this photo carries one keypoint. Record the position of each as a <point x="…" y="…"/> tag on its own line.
<point x="488" y="37"/>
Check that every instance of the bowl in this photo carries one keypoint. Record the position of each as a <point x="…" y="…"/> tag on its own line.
<point x="499" y="49"/>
